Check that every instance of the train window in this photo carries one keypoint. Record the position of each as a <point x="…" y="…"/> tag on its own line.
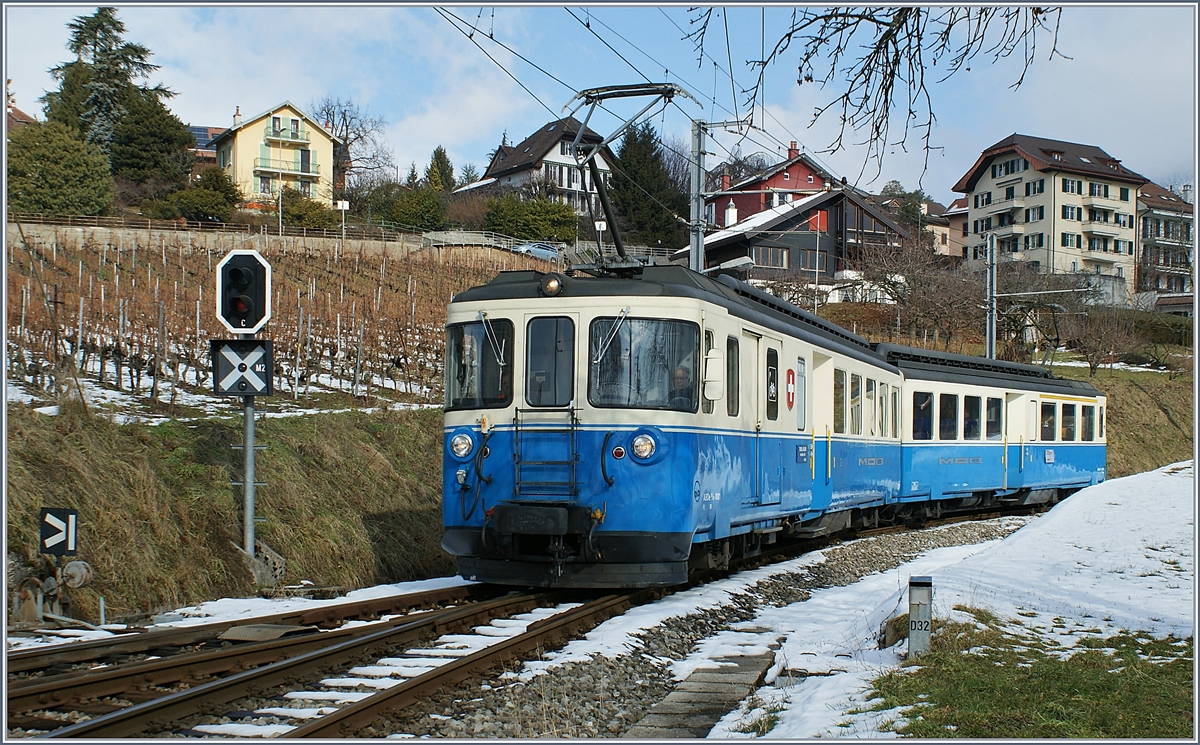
<point x="881" y="411"/>
<point x="1101" y="422"/>
<point x="855" y="404"/>
<point x="801" y="391"/>
<point x="479" y="364"/>
<point x="732" y="369"/>
<point x="995" y="418"/>
<point x="948" y="416"/>
<point x="972" y="409"/>
<point x="869" y="409"/>
<point x="1068" y="422"/>
<point x="896" y="412"/>
<point x="839" y="401"/>
<point x="772" y="384"/>
<point x="643" y="363"/>
<point x="922" y="416"/>
<point x="1087" y="431"/>
<point x="705" y="405"/>
<point x="1048" y="417"/>
<point x="550" y="361"/>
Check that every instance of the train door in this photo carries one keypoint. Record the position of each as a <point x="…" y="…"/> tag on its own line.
<point x="545" y="428"/>
<point x="1014" y="441"/>
<point x="768" y="439"/>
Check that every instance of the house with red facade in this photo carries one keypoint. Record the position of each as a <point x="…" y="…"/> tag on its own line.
<point x="795" y="178"/>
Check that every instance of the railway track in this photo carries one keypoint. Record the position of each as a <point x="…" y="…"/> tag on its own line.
<point x="348" y="676"/>
<point x="131" y="646"/>
<point x="329" y="668"/>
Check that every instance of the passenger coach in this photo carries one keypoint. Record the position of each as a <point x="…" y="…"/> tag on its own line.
<point x="615" y="431"/>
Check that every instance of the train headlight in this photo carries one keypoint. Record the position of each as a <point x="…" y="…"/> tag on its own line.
<point x="551" y="285"/>
<point x="461" y="445"/>
<point x="643" y="446"/>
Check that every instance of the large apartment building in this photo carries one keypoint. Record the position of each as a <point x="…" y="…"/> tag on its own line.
<point x="1165" y="255"/>
<point x="1061" y="206"/>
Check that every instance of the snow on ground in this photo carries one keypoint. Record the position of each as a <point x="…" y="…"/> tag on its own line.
<point x="1116" y="556"/>
<point x="121" y="405"/>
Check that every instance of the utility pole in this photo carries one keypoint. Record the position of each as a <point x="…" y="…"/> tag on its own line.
<point x="991" y="297"/>
<point x="699" y="130"/>
<point x="696" y="255"/>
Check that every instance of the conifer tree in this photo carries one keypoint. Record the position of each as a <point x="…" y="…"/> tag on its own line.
<point x="642" y="192"/>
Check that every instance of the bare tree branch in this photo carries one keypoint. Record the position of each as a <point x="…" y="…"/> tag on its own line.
<point x="883" y="55"/>
<point x="362" y="149"/>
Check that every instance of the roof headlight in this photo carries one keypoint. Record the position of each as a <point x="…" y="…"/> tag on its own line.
<point x="643" y="446"/>
<point x="461" y="445"/>
<point x="551" y="285"/>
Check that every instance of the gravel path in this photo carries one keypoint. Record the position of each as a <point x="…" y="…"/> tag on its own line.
<point x="605" y="696"/>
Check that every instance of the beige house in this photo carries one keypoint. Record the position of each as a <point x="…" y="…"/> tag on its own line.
<point x="1063" y="207"/>
<point x="282" y="146"/>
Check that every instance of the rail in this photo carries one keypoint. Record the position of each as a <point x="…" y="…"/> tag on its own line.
<point x="23" y="661"/>
<point x="157" y="713"/>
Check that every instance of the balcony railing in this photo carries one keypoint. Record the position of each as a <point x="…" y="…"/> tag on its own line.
<point x="290" y="135"/>
<point x="1013" y="228"/>
<point x="273" y="165"/>
<point x="1110" y="201"/>
<point x="1100" y="227"/>
<point x="1004" y="205"/>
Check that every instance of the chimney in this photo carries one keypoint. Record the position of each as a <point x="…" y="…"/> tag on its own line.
<point x="237" y="117"/>
<point x="725" y="180"/>
<point x="730" y="213"/>
<point x="1187" y="193"/>
<point x="792" y="150"/>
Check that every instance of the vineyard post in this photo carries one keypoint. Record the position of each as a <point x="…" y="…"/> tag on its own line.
<point x="79" y="333"/>
<point x="358" y="365"/>
<point x="299" y="341"/>
<point x="158" y="355"/>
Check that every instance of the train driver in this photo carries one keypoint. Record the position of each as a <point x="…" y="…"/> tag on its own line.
<point x="682" y="395"/>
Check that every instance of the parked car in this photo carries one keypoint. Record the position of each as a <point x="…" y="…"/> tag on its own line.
<point x="538" y="251"/>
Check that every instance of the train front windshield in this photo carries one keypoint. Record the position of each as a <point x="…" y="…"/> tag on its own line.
<point x="643" y="363"/>
<point x="479" y="364"/>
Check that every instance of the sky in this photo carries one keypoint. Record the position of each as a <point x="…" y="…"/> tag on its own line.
<point x="1126" y="82"/>
<point x="1118" y="556"/>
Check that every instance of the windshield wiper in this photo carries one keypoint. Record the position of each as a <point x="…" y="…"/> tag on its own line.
<point x="496" y="345"/>
<point x="616" y="327"/>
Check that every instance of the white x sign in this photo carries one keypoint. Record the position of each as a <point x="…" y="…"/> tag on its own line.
<point x="243" y="367"/>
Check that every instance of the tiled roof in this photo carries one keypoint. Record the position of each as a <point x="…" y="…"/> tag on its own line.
<point x="532" y="149"/>
<point x="773" y="216"/>
<point x="247" y="121"/>
<point x="17" y="118"/>
<point x="779" y="167"/>
<point x="1156" y="197"/>
<point x="1051" y="155"/>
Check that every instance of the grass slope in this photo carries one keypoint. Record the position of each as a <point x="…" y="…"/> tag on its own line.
<point x="1149" y="418"/>
<point x="351" y="499"/>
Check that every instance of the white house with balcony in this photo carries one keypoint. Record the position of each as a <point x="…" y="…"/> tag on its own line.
<point x="544" y="162"/>
<point x="1060" y="206"/>
<point x="282" y="146"/>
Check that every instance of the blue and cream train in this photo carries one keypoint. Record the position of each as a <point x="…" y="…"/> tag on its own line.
<point x="609" y="431"/>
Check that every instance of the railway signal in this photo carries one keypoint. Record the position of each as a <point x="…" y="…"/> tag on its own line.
<point x="243" y="291"/>
<point x="242" y="367"/>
